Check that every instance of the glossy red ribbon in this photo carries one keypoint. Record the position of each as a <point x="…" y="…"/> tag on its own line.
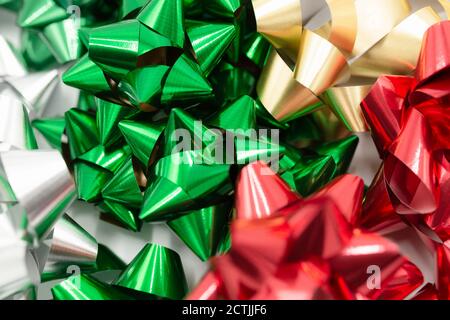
<point x="306" y="248"/>
<point x="410" y="124"/>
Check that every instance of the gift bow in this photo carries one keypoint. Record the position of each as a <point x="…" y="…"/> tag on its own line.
<point x="305" y="248"/>
<point x="408" y="117"/>
<point x="337" y="63"/>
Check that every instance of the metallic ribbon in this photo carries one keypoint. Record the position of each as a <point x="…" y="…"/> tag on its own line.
<point x="160" y="66"/>
<point x="332" y="263"/>
<point x="338" y="62"/>
<point x="40" y="210"/>
<point x="409" y="130"/>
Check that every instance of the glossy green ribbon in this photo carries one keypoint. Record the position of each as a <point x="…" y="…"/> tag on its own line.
<point x="85" y="287"/>
<point x="156" y="271"/>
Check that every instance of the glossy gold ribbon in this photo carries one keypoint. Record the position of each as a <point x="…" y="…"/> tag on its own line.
<point x="337" y="63"/>
<point x="281" y="23"/>
<point x="446" y="5"/>
<point x="397" y="52"/>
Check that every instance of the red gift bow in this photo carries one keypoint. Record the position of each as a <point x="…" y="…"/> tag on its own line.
<point x="305" y="248"/>
<point x="410" y="123"/>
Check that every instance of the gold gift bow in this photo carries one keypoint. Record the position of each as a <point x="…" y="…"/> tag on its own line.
<point x="446" y="5"/>
<point x="337" y="63"/>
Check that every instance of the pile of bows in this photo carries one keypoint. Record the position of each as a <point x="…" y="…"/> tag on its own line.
<point x="154" y="73"/>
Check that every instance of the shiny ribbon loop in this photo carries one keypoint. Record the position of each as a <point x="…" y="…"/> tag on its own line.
<point x="336" y="64"/>
<point x="329" y="266"/>
<point x="405" y="126"/>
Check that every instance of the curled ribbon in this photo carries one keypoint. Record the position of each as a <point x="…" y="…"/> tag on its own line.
<point x="331" y="264"/>
<point x="336" y="63"/>
<point x="409" y="122"/>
